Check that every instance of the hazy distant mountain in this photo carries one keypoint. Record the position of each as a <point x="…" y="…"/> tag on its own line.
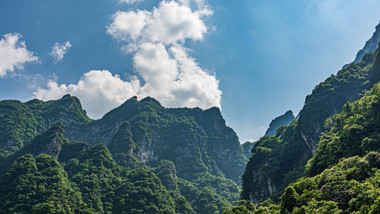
<point x="279" y="121"/>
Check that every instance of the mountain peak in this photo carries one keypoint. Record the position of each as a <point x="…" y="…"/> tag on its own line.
<point x="151" y="100"/>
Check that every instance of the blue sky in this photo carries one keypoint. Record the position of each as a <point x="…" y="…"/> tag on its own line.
<point x="254" y="59"/>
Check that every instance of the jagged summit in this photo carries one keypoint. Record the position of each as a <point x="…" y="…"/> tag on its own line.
<point x="144" y="129"/>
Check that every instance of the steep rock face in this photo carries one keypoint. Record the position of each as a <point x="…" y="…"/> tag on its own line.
<point x="288" y="151"/>
<point x="279" y="121"/>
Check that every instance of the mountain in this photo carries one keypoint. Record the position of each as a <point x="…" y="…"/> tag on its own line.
<point x="279" y="160"/>
<point x="247" y="147"/>
<point x="192" y="152"/>
<point x="20" y="122"/>
<point x="282" y="120"/>
<point x="358" y="131"/>
<point x="195" y="140"/>
<point x="343" y="176"/>
<point x="279" y="121"/>
<point x="78" y="178"/>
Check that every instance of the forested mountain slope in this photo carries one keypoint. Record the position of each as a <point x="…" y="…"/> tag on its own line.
<point x="195" y="140"/>
<point x="191" y="151"/>
<point x="83" y="180"/>
<point x="278" y="160"/>
<point x="344" y="174"/>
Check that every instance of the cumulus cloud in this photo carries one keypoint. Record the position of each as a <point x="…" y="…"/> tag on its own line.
<point x="14" y="54"/>
<point x="156" y="41"/>
<point x="169" y="23"/>
<point x="58" y="51"/>
<point x="172" y="22"/>
<point x="128" y="25"/>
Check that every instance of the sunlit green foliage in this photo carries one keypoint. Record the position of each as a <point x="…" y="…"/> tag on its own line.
<point x="351" y="186"/>
<point x="39" y="185"/>
<point x="355" y="131"/>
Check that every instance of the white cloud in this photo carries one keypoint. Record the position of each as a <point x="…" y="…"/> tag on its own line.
<point x="169" y="23"/>
<point x="14" y="54"/>
<point x="172" y="22"/>
<point x="154" y="65"/>
<point x="128" y="25"/>
<point x="194" y="86"/>
<point x="156" y="40"/>
<point x="58" y="51"/>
